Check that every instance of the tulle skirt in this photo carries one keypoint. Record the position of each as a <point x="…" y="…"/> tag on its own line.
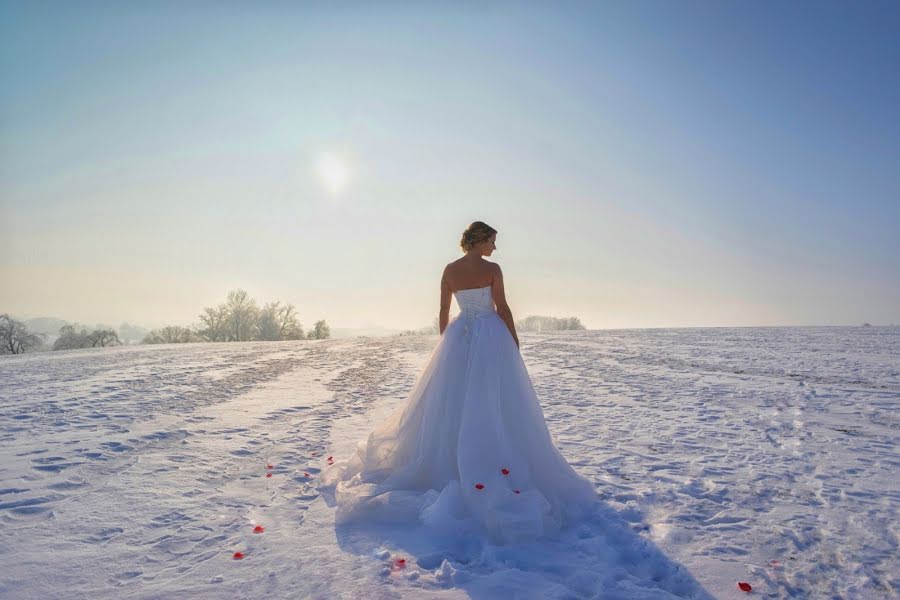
<point x="467" y="451"/>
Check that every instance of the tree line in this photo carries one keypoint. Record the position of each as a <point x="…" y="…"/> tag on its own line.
<point x="16" y="338"/>
<point x="539" y="323"/>
<point x="238" y="319"/>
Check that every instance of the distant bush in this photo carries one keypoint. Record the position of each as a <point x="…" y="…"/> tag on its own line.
<point x="173" y="334"/>
<point x="70" y="338"/>
<point x="320" y="331"/>
<point x="104" y="337"/>
<point x="15" y="337"/>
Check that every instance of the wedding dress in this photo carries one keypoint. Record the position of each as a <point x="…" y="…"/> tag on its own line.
<point x="469" y="449"/>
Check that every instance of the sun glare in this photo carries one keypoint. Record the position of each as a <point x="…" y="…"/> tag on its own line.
<point x="334" y="173"/>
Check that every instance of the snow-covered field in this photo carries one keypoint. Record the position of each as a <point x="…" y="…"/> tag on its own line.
<point x="765" y="455"/>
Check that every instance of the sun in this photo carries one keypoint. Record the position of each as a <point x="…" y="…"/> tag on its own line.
<point x="334" y="173"/>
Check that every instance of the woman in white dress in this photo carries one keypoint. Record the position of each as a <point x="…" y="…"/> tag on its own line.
<point x="468" y="451"/>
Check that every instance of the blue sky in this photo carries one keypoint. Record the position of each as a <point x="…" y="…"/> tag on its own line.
<point x="646" y="163"/>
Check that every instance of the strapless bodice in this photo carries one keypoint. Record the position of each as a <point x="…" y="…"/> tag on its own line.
<point x="474" y="302"/>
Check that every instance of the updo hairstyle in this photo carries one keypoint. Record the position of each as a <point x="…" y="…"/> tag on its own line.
<point x="474" y="234"/>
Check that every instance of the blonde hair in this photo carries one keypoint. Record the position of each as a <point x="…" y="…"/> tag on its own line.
<point x="475" y="233"/>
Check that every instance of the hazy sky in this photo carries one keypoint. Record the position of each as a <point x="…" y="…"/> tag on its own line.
<point x="646" y="163"/>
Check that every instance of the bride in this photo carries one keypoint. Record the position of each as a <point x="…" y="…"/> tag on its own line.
<point x="468" y="451"/>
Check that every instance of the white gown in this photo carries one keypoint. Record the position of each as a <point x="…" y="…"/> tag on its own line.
<point x="469" y="449"/>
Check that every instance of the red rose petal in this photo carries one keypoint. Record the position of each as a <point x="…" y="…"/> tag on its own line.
<point x="268" y="474"/>
<point x="270" y="466"/>
<point x="305" y="474"/>
<point x="504" y="471"/>
<point x="745" y="586"/>
<point x="259" y="529"/>
<point x="237" y="555"/>
<point x="479" y="486"/>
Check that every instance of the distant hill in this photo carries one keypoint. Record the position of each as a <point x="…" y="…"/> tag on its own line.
<point x="48" y="326"/>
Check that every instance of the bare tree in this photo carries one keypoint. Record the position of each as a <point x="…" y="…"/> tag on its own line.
<point x="277" y="322"/>
<point x="215" y="323"/>
<point x="15" y="337"/>
<point x="243" y="316"/>
<point x="290" y="325"/>
<point x="269" y="328"/>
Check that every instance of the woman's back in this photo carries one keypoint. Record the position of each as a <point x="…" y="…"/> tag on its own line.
<point x="466" y="274"/>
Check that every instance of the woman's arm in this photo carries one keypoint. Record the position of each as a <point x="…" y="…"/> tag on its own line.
<point x="444" y="313"/>
<point x="500" y="300"/>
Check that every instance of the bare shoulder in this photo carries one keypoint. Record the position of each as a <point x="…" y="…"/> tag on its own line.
<point x="450" y="267"/>
<point x="496" y="274"/>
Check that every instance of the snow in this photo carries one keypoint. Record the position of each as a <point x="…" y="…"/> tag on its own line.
<point x="765" y="455"/>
